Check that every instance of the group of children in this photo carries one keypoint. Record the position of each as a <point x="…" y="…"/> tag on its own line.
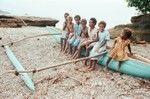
<point x="78" y="36"/>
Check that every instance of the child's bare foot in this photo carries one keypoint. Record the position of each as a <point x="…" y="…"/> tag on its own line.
<point x="84" y="69"/>
<point x="91" y="69"/>
<point x="64" y="52"/>
<point x="105" y="69"/>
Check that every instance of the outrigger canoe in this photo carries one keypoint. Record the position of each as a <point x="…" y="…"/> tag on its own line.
<point x="132" y="66"/>
<point x="24" y="76"/>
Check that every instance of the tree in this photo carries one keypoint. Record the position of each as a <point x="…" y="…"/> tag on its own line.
<point x="142" y="6"/>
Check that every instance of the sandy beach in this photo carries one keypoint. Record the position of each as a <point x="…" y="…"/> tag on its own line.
<point x="63" y="82"/>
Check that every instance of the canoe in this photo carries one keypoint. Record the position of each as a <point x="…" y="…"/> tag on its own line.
<point x="24" y="76"/>
<point x="132" y="66"/>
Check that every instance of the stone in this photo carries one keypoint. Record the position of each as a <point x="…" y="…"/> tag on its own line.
<point x="19" y="21"/>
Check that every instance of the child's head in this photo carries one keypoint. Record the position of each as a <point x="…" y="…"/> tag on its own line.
<point x="69" y="19"/>
<point x="102" y="25"/>
<point x="126" y="34"/>
<point x="66" y="15"/>
<point x="77" y="18"/>
<point x="83" y="22"/>
<point x="92" y="22"/>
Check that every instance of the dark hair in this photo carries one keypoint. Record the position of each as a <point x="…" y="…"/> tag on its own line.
<point x="127" y="32"/>
<point x="94" y="20"/>
<point x="67" y="14"/>
<point x="84" y="20"/>
<point x="103" y="23"/>
<point x="77" y="16"/>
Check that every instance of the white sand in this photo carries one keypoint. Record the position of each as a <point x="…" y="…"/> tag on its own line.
<point x="34" y="53"/>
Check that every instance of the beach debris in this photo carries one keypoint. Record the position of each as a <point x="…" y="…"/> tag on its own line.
<point x="2" y="46"/>
<point x="144" y="83"/>
<point x="79" y="82"/>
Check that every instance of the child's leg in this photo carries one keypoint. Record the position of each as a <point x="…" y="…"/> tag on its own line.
<point x="88" y="50"/>
<point x="78" y="52"/>
<point x="87" y="54"/>
<point x="119" y="65"/>
<point x="64" y="44"/>
<point x="75" y="55"/>
<point x="91" y="63"/>
<point x="74" y="49"/>
<point x="94" y="65"/>
<point x="108" y="61"/>
<point x="61" y="42"/>
<point x="85" y="62"/>
<point x="66" y="47"/>
<point x="70" y="49"/>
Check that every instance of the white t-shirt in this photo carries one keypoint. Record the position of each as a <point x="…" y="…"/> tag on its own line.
<point x="92" y="33"/>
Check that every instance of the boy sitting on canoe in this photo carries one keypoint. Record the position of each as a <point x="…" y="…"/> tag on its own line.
<point x="99" y="47"/>
<point x="118" y="50"/>
<point x="92" y="32"/>
<point x="63" y="39"/>
<point x="70" y="31"/>
<point x="83" y="38"/>
<point x="75" y="40"/>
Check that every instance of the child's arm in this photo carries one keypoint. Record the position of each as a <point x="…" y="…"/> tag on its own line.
<point x="64" y="25"/>
<point x="96" y="38"/>
<point x="129" y="48"/>
<point x="114" y="43"/>
<point x="72" y="28"/>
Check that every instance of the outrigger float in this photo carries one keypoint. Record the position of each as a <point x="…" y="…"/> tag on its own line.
<point x="24" y="76"/>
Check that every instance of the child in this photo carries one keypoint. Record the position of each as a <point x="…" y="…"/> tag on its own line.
<point x="118" y="50"/>
<point x="83" y="38"/>
<point x="64" y="36"/>
<point x="92" y="32"/>
<point x="70" y="31"/>
<point x="100" y="46"/>
<point x="75" y="40"/>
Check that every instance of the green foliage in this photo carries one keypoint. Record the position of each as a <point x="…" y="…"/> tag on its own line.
<point x="141" y="5"/>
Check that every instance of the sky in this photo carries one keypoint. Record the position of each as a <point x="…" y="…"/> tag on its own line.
<point x="114" y="12"/>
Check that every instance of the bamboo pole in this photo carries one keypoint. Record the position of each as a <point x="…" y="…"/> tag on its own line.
<point x="52" y="66"/>
<point x="137" y="56"/>
<point x="30" y="37"/>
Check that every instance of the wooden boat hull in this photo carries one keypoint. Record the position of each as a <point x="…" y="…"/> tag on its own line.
<point x="24" y="76"/>
<point x="131" y="66"/>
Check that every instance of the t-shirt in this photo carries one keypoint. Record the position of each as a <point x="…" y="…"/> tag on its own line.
<point x="103" y="36"/>
<point x="92" y="33"/>
<point x="100" y="46"/>
<point x="77" y="29"/>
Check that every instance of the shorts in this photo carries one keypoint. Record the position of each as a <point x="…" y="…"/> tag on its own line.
<point x="74" y="41"/>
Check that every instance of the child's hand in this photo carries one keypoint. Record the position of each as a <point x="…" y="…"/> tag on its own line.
<point x="131" y="54"/>
<point x="87" y="43"/>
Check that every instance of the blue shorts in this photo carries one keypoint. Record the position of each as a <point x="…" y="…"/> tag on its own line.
<point x="74" y="41"/>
